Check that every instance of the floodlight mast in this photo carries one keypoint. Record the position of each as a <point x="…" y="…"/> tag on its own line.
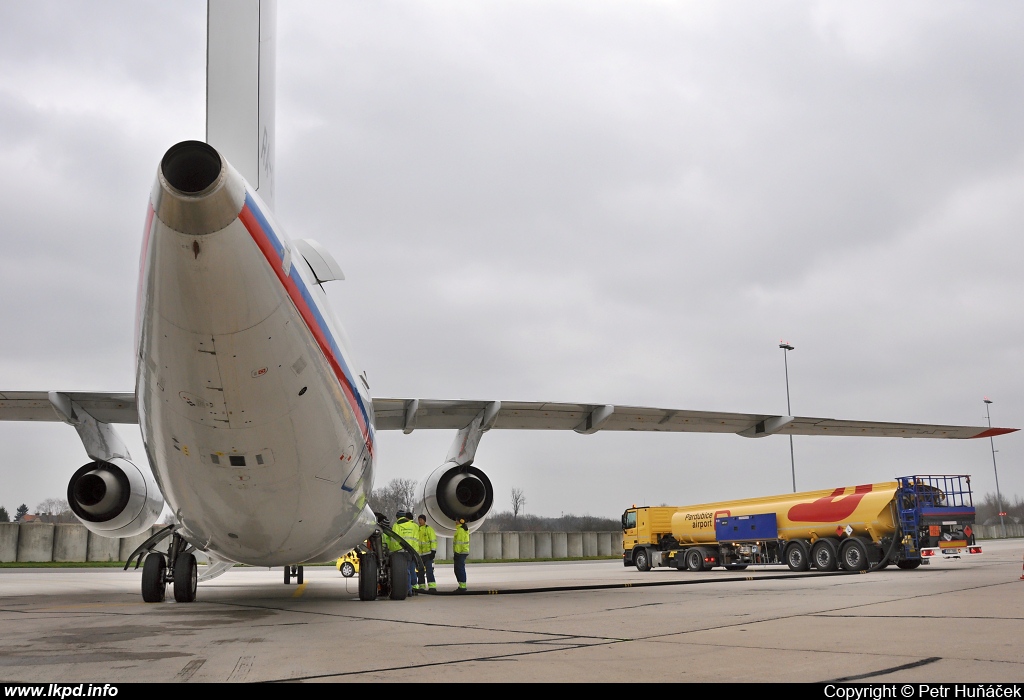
<point x="992" y="443"/>
<point x="786" y="347"/>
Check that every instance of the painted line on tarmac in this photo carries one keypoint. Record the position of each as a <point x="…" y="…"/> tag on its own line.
<point x="300" y="590"/>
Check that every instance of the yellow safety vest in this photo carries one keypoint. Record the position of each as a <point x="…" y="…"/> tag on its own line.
<point x="428" y="539"/>
<point x="461" y="540"/>
<point x="408" y="531"/>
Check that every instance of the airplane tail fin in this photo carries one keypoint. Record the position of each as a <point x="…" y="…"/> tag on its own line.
<point x="241" y="49"/>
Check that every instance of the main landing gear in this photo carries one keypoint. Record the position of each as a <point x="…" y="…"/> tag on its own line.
<point x="177" y="567"/>
<point x="293" y="572"/>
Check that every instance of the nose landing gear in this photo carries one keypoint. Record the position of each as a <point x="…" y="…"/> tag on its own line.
<point x="293" y="572"/>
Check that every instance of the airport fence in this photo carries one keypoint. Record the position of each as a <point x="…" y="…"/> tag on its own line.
<point x="48" y="542"/>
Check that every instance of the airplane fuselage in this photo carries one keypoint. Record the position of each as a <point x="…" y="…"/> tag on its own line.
<point x="258" y="430"/>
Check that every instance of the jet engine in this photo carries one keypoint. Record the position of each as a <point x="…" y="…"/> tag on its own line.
<point x="115" y="498"/>
<point x="452" y="492"/>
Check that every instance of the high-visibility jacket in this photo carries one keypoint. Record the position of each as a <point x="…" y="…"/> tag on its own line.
<point x="461" y="540"/>
<point x="408" y="531"/>
<point x="428" y="539"/>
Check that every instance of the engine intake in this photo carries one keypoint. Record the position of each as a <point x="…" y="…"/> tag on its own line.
<point x="452" y="492"/>
<point x="115" y="498"/>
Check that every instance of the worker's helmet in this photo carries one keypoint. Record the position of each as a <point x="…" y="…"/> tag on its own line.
<point x="403" y="512"/>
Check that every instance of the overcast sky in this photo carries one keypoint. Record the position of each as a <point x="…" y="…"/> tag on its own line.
<point x="627" y="202"/>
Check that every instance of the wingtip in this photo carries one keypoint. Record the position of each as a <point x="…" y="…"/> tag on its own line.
<point x="992" y="432"/>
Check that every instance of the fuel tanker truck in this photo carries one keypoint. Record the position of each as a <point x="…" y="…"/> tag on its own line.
<point x="904" y="522"/>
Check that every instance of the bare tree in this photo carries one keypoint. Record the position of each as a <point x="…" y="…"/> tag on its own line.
<point x="395" y="494"/>
<point x="518" y="501"/>
<point x="55" y="510"/>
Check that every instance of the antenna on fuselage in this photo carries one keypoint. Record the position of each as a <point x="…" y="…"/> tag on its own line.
<point x="241" y="49"/>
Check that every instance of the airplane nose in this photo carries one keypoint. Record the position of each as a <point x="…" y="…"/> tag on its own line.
<point x="197" y="192"/>
<point x="191" y="166"/>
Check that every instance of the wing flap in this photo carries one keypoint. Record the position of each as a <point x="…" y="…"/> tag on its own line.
<point x="106" y="407"/>
<point x="435" y="414"/>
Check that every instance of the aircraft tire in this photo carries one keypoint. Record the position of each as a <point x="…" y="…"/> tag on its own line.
<point x="399" y="575"/>
<point x="368" y="576"/>
<point x="154" y="580"/>
<point x="186" y="578"/>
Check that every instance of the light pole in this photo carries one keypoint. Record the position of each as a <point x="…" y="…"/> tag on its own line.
<point x="999" y="496"/>
<point x="786" y="347"/>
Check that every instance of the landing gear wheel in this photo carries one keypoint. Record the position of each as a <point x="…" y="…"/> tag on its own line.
<point x="823" y="555"/>
<point x="154" y="579"/>
<point x="399" y="576"/>
<point x="797" y="557"/>
<point x="853" y="555"/>
<point x="642" y="559"/>
<point x="368" y="576"/>
<point x="186" y="578"/>
<point x="347" y="570"/>
<point x="298" y="575"/>
<point x="694" y="560"/>
<point x="909" y="564"/>
<point x="287" y="575"/>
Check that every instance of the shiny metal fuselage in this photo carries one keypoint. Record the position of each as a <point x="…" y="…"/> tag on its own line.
<point x="258" y="430"/>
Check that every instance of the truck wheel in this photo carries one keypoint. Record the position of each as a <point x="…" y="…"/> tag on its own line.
<point x="853" y="555"/>
<point x="823" y="555"/>
<point x="368" y="576"/>
<point x="909" y="563"/>
<point x="694" y="560"/>
<point x="641" y="559"/>
<point x="797" y="557"/>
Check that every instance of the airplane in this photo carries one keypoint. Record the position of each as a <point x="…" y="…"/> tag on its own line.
<point x="259" y="430"/>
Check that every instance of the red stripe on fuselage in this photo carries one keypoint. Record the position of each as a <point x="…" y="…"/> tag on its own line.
<point x="255" y="230"/>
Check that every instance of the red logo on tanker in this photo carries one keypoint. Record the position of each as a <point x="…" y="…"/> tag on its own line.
<point x="829" y="509"/>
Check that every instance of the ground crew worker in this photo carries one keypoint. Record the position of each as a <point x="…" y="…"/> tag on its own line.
<point x="427" y="550"/>
<point x="406" y="529"/>
<point x="461" y="554"/>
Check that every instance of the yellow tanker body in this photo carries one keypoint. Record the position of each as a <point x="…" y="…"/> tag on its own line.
<point x="867" y="509"/>
<point x="903" y="522"/>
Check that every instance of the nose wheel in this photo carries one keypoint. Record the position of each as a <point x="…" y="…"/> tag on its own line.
<point x="293" y="572"/>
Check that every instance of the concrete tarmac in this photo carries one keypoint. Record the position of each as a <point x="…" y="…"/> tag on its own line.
<point x="953" y="621"/>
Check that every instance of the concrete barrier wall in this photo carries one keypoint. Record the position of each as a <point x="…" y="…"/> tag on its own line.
<point x="995" y="532"/>
<point x="103" y="548"/>
<point x="542" y="545"/>
<point x="527" y="545"/>
<point x="476" y="546"/>
<point x="35" y="542"/>
<point x="510" y="545"/>
<point x="492" y="545"/>
<point x="70" y="542"/>
<point x="44" y="542"/>
<point x="559" y="550"/>
<point x="9" y="541"/>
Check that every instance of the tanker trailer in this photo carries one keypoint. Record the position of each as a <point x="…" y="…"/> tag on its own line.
<point x="904" y="522"/>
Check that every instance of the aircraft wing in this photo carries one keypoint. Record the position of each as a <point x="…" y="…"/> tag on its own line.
<point x="438" y="414"/>
<point x="411" y="414"/>
<point x="104" y="406"/>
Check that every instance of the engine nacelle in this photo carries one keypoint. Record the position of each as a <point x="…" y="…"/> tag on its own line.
<point x="115" y="498"/>
<point x="452" y="492"/>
